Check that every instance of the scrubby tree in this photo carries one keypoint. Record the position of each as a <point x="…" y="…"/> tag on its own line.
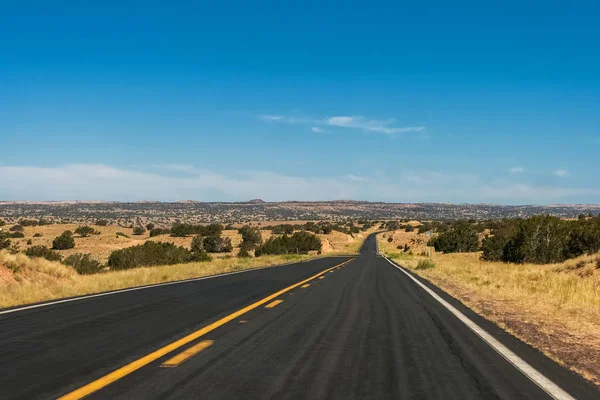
<point x="85" y="231"/>
<point x="16" y="228"/>
<point x="251" y="237"/>
<point x="64" y="241"/>
<point x="150" y="226"/>
<point x="149" y="254"/>
<point x="159" y="231"/>
<point x="102" y="222"/>
<point x="462" y="238"/>
<point x="84" y="264"/>
<point x="217" y="244"/>
<point x="43" y="252"/>
<point x="139" y="230"/>
<point x="299" y="243"/>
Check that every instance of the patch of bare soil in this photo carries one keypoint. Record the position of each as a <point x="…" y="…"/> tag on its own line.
<point x="6" y="275"/>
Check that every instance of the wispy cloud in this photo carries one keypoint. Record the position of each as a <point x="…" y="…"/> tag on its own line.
<point x="561" y="173"/>
<point x="349" y="122"/>
<point x="356" y="178"/>
<point x="317" y="129"/>
<point x="517" y="170"/>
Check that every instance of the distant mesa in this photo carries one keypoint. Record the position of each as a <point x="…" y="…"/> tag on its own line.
<point x="257" y="201"/>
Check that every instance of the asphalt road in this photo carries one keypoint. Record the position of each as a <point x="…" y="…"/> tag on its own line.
<point x="310" y="330"/>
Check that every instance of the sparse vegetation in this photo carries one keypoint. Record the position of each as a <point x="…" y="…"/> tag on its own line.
<point x="139" y="230"/>
<point x="16" y="228"/>
<point x="251" y="238"/>
<point x="217" y="244"/>
<point x="299" y="243"/>
<point x="158" y="231"/>
<point x="425" y="264"/>
<point x="148" y="254"/>
<point x="64" y="241"/>
<point x="84" y="264"/>
<point x="85" y="231"/>
<point x="462" y="238"/>
<point x="121" y="234"/>
<point x="43" y="252"/>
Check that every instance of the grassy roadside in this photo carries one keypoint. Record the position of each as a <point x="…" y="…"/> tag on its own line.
<point x="24" y="280"/>
<point x="555" y="308"/>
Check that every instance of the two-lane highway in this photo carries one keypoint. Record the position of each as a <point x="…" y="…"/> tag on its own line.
<point x="336" y="328"/>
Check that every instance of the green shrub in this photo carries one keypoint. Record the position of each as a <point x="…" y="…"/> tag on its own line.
<point x="182" y="230"/>
<point x="462" y="238"/>
<point x="159" y="231"/>
<point x="122" y="235"/>
<point x="243" y="253"/>
<point x="150" y="226"/>
<point x="85" y="231"/>
<point x="409" y="228"/>
<point x="17" y="235"/>
<point x="299" y="243"/>
<point x="251" y="237"/>
<point x="29" y="242"/>
<point x="2" y="223"/>
<point x="43" y="252"/>
<point x="149" y="254"/>
<point x="16" y="228"/>
<point x="425" y="264"/>
<point x="139" y="230"/>
<point x="38" y="235"/>
<point x="217" y="244"/>
<point x="84" y="264"/>
<point x="287" y="229"/>
<point x="5" y="243"/>
<point x="64" y="241"/>
<point x="197" y="244"/>
<point x="102" y="222"/>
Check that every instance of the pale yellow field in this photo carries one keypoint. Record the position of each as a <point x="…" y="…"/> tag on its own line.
<point x="555" y="308"/>
<point x="100" y="246"/>
<point x="24" y="280"/>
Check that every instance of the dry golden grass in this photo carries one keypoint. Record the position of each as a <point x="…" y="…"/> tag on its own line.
<point x="100" y="246"/>
<point x="39" y="280"/>
<point x="24" y="280"/>
<point x="555" y="308"/>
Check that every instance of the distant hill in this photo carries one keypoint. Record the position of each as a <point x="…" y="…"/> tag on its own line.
<point x="258" y="210"/>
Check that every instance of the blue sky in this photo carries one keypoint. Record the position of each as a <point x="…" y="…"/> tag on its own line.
<point x="384" y="101"/>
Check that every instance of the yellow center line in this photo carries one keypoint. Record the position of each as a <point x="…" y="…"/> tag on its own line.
<point x="274" y="303"/>
<point x="305" y="286"/>
<point x="184" y="355"/>
<point x="155" y="355"/>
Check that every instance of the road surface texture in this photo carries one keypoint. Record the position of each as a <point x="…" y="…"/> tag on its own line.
<point x="333" y="328"/>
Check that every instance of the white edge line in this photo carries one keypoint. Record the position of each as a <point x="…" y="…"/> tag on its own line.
<point x="118" y="291"/>
<point x="534" y="375"/>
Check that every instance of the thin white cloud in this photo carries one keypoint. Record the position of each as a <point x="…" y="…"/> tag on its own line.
<point x="356" y="178"/>
<point x="561" y="173"/>
<point x="317" y="129"/>
<point x="101" y="182"/>
<point x="517" y="170"/>
<point x="271" y="118"/>
<point x="351" y="122"/>
<point x="359" y="122"/>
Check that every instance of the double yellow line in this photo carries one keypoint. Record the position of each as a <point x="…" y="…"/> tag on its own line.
<point x="155" y="355"/>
